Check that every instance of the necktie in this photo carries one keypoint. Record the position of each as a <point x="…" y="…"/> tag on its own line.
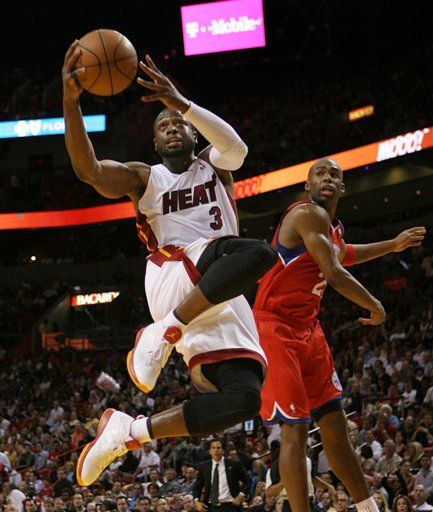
<point x="215" y="487"/>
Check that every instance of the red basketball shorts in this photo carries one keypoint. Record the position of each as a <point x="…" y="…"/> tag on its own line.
<point x="301" y="377"/>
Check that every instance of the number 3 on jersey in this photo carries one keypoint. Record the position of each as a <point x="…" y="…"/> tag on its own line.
<point x="319" y="287"/>
<point x="217" y="222"/>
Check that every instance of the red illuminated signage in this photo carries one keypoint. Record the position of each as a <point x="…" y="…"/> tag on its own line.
<point x="90" y="299"/>
<point x="351" y="159"/>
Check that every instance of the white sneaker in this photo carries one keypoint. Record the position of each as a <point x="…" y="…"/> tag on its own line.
<point x="153" y="346"/>
<point x="112" y="441"/>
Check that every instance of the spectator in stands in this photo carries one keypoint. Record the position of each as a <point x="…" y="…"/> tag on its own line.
<point x="58" y="505"/>
<point x="171" y="485"/>
<point x="62" y="484"/>
<point x="402" y="504"/>
<point x="390" y="461"/>
<point x="189" y="481"/>
<point x="149" y="460"/>
<point x="420" y="496"/>
<point x="340" y="502"/>
<point x="122" y="504"/>
<point x="40" y="454"/>
<point x="142" y="504"/>
<point x="26" y="458"/>
<point x="424" y="430"/>
<point x="371" y="442"/>
<point x="414" y="454"/>
<point x="425" y="475"/>
<point x="381" y="502"/>
<point x="78" y="502"/>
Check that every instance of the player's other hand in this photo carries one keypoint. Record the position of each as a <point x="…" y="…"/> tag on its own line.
<point x="71" y="88"/>
<point x="377" y="316"/>
<point x="412" y="237"/>
<point x="163" y="89"/>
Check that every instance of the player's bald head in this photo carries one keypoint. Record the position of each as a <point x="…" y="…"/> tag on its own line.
<point x="326" y="163"/>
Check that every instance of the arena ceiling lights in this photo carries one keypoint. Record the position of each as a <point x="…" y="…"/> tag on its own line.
<point x="387" y="149"/>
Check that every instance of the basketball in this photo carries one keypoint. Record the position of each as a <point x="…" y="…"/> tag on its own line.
<point x="110" y="62"/>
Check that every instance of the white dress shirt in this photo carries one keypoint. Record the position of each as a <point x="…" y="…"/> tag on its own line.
<point x="224" y="491"/>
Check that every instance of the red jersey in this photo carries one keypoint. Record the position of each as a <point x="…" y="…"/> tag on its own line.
<point x="294" y="286"/>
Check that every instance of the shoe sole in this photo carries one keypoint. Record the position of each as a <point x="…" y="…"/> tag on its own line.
<point x="130" y="365"/>
<point x="105" y="418"/>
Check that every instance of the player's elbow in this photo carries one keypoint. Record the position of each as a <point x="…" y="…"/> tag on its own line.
<point x="232" y="159"/>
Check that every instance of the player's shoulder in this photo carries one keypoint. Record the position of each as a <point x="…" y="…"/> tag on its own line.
<point x="140" y="169"/>
<point x="307" y="210"/>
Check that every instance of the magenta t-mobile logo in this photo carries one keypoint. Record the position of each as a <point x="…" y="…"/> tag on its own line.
<point x="223" y="26"/>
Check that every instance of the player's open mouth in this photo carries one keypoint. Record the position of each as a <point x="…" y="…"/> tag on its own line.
<point x="327" y="191"/>
<point x="172" y="143"/>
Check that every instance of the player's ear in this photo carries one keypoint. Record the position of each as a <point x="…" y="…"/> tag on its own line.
<point x="154" y="143"/>
<point x="342" y="188"/>
<point x="307" y="186"/>
<point x="195" y="136"/>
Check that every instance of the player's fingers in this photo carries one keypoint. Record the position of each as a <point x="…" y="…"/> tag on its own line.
<point x="72" y="61"/>
<point x="76" y="72"/>
<point x="418" y="229"/>
<point x="151" y="97"/>
<point x="70" y="50"/>
<point x="150" y="85"/>
<point x="151" y="64"/>
<point x="150" y="72"/>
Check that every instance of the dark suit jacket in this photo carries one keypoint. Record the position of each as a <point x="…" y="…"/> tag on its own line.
<point x="237" y="479"/>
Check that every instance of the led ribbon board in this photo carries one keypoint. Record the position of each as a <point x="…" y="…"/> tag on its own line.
<point x="351" y="159"/>
<point x="46" y="126"/>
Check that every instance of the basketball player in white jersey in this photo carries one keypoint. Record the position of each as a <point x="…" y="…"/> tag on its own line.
<point x="186" y="215"/>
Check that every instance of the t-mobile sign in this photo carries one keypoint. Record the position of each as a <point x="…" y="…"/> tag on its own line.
<point x="223" y="26"/>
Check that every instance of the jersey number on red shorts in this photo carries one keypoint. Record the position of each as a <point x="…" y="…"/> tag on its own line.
<point x="217" y="222"/>
<point x="319" y="288"/>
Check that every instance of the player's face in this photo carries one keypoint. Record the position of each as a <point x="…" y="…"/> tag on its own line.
<point x="325" y="181"/>
<point x="174" y="136"/>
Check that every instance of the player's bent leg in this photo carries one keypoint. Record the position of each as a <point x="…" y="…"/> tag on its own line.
<point x="342" y="457"/>
<point x="238" y="381"/>
<point x="293" y="464"/>
<point x="229" y="266"/>
<point x="112" y="440"/>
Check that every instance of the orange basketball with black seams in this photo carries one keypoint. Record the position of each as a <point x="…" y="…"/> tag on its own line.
<point x="110" y="62"/>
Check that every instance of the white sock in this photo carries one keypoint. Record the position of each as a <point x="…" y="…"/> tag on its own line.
<point x="171" y="320"/>
<point x="368" y="505"/>
<point x="139" y="430"/>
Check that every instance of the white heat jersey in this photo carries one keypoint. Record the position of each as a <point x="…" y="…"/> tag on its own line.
<point x="178" y="209"/>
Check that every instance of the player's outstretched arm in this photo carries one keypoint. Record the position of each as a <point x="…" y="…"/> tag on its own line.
<point x="110" y="178"/>
<point x="412" y="237"/>
<point x="228" y="150"/>
<point x="312" y="224"/>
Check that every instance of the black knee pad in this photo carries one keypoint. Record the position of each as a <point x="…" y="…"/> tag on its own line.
<point x="253" y="403"/>
<point x="267" y="255"/>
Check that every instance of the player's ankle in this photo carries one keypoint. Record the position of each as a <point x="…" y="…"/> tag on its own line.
<point x="178" y="319"/>
<point x="141" y="429"/>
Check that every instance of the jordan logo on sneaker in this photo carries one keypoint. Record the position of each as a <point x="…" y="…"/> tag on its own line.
<point x="172" y="334"/>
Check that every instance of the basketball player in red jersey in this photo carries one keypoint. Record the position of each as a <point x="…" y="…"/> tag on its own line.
<point x="196" y="273"/>
<point x="301" y="382"/>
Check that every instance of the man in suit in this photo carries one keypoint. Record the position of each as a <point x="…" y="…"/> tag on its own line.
<point x="221" y="484"/>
